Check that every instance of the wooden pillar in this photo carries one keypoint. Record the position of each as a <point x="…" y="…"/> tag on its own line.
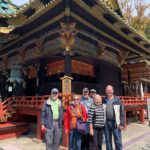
<point x="39" y="132"/>
<point x="142" y="115"/>
<point x="41" y="73"/>
<point x="1" y="110"/>
<point x="68" y="65"/>
<point x="125" y="119"/>
<point x="66" y="89"/>
<point x="141" y="89"/>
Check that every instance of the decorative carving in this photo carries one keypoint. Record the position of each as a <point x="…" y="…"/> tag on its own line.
<point x="39" y="47"/>
<point x="21" y="56"/>
<point x="67" y="11"/>
<point x="67" y="35"/>
<point x="122" y="58"/>
<point x="101" y="49"/>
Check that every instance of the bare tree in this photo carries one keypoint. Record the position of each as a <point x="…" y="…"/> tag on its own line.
<point x="134" y="12"/>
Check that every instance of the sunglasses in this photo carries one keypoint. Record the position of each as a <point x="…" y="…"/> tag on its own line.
<point x="54" y="93"/>
<point x="77" y="99"/>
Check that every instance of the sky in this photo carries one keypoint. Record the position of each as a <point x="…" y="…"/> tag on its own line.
<point x="20" y="2"/>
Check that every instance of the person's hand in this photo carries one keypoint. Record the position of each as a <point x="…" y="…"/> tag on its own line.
<point x="79" y="117"/>
<point x="43" y="128"/>
<point x="121" y="128"/>
<point x="91" y="131"/>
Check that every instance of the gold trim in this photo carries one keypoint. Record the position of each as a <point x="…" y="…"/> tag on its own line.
<point x="6" y="30"/>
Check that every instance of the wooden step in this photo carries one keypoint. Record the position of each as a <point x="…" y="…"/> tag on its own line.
<point x="13" y="129"/>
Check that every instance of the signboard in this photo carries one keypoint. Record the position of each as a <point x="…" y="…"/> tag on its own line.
<point x="148" y="108"/>
<point x="66" y="85"/>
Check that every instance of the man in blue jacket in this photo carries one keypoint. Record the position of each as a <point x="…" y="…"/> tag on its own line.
<point x="51" y="120"/>
<point x="87" y="102"/>
<point x="114" y="119"/>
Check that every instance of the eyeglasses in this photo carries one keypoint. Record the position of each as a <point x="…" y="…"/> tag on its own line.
<point x="76" y="99"/>
<point x="54" y="93"/>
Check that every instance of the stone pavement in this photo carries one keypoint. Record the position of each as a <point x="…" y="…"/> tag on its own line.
<point x="136" y="137"/>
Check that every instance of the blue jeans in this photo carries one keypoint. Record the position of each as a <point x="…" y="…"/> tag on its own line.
<point x="75" y="136"/>
<point x="110" y="128"/>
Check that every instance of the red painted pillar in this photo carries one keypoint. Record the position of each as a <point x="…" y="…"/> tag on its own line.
<point x="65" y="136"/>
<point x="66" y="126"/>
<point x="142" y="115"/>
<point x="39" y="132"/>
<point x="125" y="119"/>
<point x="1" y="110"/>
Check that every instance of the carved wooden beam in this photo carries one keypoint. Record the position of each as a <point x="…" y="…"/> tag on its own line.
<point x="68" y="34"/>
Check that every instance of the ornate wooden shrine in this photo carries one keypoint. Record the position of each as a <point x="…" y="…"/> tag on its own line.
<point x="87" y="40"/>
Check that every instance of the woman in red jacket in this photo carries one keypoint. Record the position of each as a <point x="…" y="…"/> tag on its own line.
<point x="75" y="111"/>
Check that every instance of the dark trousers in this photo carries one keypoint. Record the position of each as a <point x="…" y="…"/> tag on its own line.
<point x="85" y="142"/>
<point x="75" y="136"/>
<point x="110" y="128"/>
<point x="97" y="139"/>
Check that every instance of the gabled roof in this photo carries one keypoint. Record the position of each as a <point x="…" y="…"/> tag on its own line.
<point x="106" y="12"/>
<point x="113" y="4"/>
<point x="7" y="9"/>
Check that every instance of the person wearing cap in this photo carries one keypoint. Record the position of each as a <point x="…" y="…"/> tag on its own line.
<point x="51" y="120"/>
<point x="87" y="102"/>
<point x="92" y="93"/>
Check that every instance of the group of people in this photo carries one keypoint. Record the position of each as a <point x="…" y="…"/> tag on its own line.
<point x="103" y="118"/>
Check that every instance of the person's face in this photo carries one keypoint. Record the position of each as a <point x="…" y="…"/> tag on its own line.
<point x="85" y="93"/>
<point x="76" y="100"/>
<point x="54" y="95"/>
<point x="109" y="91"/>
<point x="92" y="93"/>
<point x="98" y="100"/>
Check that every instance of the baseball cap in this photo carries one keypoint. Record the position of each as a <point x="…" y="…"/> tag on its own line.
<point x="54" y="90"/>
<point x="93" y="90"/>
<point x="85" y="89"/>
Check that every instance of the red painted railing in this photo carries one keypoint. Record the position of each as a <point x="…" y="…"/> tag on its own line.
<point x="130" y="101"/>
<point x="28" y="103"/>
<point x="37" y="101"/>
